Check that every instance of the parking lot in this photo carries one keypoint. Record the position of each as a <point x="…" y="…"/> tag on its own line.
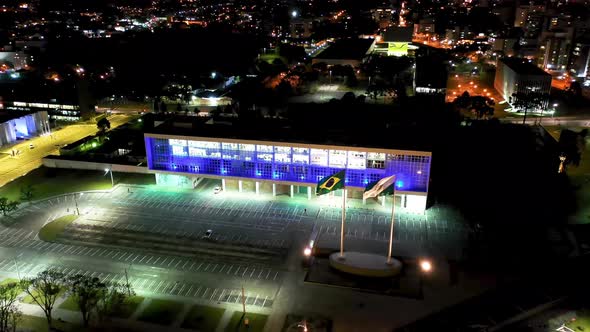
<point x="148" y="285"/>
<point x="244" y="219"/>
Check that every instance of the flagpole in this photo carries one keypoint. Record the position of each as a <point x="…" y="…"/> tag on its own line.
<point x="342" y="226"/>
<point x="391" y="226"/>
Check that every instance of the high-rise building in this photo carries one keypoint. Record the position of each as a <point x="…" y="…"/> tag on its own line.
<point x="580" y="58"/>
<point x="514" y="75"/>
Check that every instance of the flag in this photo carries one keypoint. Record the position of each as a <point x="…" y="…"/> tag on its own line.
<point x="330" y="183"/>
<point x="383" y="186"/>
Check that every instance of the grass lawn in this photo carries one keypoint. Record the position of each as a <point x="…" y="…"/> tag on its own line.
<point x="257" y="322"/>
<point x="70" y="304"/>
<point x="51" y="230"/>
<point x="161" y="312"/>
<point x="48" y="182"/>
<point x="129" y="307"/>
<point x="29" y="299"/>
<point x="582" y="322"/>
<point x="202" y="318"/>
<point x="39" y="324"/>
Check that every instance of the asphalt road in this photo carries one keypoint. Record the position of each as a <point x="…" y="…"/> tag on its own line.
<point x="29" y="159"/>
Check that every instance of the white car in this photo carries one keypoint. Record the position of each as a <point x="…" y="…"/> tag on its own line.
<point x="217" y="190"/>
<point x="208" y="234"/>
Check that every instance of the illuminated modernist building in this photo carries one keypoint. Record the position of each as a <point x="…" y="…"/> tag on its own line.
<point x="14" y="126"/>
<point x="288" y="163"/>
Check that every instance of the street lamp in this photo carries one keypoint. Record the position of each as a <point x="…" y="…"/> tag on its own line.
<point x="107" y="170"/>
<point x="76" y="203"/>
<point x="425" y="266"/>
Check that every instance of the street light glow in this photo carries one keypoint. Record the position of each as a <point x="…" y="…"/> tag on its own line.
<point x="426" y="266"/>
<point x="294" y="13"/>
<point x="307" y="251"/>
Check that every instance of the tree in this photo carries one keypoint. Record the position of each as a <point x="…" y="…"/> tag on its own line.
<point x="163" y="107"/>
<point x="112" y="298"/>
<point x="528" y="101"/>
<point x="87" y="292"/>
<point x="44" y="289"/>
<point x="27" y="192"/>
<point x="103" y="124"/>
<point x="178" y="108"/>
<point x="9" y="312"/>
<point x="7" y="206"/>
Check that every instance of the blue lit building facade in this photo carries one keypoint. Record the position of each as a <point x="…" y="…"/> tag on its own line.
<point x="287" y="163"/>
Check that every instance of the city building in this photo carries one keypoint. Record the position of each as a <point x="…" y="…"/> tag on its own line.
<point x="15" y="126"/>
<point x="396" y="41"/>
<point x="383" y="17"/>
<point x="301" y="27"/>
<point x="519" y="75"/>
<point x="554" y="49"/>
<point x="278" y="161"/>
<point x="64" y="101"/>
<point x="580" y="59"/>
<point x="352" y="52"/>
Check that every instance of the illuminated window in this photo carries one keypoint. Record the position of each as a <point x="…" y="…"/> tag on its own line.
<point x="337" y="158"/>
<point x="357" y="160"/>
<point x="177" y="142"/>
<point x="178" y="150"/>
<point x="319" y="157"/>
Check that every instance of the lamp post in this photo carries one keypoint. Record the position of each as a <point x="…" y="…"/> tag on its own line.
<point x="76" y="203"/>
<point x="107" y="170"/>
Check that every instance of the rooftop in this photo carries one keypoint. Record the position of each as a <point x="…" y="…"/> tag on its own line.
<point x="396" y="137"/>
<point x="523" y="67"/>
<point x="347" y="49"/>
<point x="398" y="34"/>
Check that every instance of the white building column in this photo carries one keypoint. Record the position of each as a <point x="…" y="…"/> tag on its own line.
<point x="364" y="201"/>
<point x="257" y="188"/>
<point x="274" y="189"/>
<point x="239" y="185"/>
<point x="223" y="184"/>
<point x="308" y="192"/>
<point x="292" y="191"/>
<point x="383" y="200"/>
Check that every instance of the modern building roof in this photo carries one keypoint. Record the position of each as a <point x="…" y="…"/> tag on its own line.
<point x="398" y="34"/>
<point x="523" y="67"/>
<point x="279" y="131"/>
<point x="353" y="48"/>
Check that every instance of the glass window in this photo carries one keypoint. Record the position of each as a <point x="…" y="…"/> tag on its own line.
<point x="337" y="158"/>
<point x="179" y="142"/>
<point x="282" y="158"/>
<point x="178" y="150"/>
<point x="229" y="146"/>
<point x="197" y="152"/>
<point x="301" y="150"/>
<point x="376" y="156"/>
<point x="283" y="149"/>
<point x="265" y="156"/>
<point x="357" y="160"/>
<point x="247" y="147"/>
<point x="300" y="159"/>
<point x="264" y="148"/>
<point x="319" y="157"/>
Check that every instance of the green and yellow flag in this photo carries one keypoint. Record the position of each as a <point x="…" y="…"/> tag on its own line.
<point x="330" y="183"/>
